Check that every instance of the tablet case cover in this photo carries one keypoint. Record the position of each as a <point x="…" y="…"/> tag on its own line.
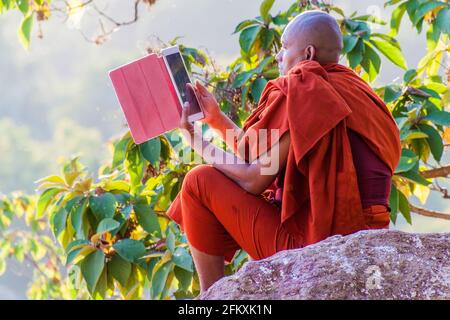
<point x="147" y="97"/>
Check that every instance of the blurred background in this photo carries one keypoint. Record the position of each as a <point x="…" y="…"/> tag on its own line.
<point x="56" y="98"/>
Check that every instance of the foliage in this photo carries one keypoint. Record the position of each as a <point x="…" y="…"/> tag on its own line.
<point x="113" y="233"/>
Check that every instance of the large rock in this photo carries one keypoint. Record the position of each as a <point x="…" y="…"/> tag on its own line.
<point x="377" y="264"/>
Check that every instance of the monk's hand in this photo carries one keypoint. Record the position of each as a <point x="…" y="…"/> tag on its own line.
<point x="210" y="107"/>
<point x="188" y="127"/>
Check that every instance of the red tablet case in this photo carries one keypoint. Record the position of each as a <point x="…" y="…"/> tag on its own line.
<point x="147" y="97"/>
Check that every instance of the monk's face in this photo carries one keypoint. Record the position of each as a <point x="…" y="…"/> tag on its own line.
<point x="293" y="50"/>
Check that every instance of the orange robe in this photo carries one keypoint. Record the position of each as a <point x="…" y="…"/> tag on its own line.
<point x="316" y="104"/>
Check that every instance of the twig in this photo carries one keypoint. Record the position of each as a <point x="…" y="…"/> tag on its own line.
<point x="437" y="172"/>
<point x="429" y="213"/>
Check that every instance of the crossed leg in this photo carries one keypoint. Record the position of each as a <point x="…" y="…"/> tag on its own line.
<point x="219" y="217"/>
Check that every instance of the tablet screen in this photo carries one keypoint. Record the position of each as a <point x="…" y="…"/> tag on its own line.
<point x="181" y="78"/>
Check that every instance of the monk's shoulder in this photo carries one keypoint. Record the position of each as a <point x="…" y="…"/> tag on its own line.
<point x="279" y="85"/>
<point x="275" y="89"/>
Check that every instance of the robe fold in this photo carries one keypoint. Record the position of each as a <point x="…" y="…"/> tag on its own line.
<point x="317" y="104"/>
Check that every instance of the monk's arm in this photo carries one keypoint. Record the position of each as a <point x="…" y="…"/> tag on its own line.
<point x="227" y="130"/>
<point x="253" y="177"/>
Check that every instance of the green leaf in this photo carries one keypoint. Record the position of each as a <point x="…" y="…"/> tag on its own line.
<point x="170" y="240"/>
<point x="59" y="221"/>
<point x="44" y="200"/>
<point x="103" y="206"/>
<point x="106" y="225"/>
<point x="242" y="78"/>
<point x="437" y="87"/>
<point x="396" y="18"/>
<point x="409" y="75"/>
<point x="393" y="203"/>
<point x="77" y="244"/>
<point x="151" y="150"/>
<point x="425" y="8"/>
<point x="271" y="73"/>
<point x="356" y="55"/>
<point x="371" y="19"/>
<point x="280" y="20"/>
<point x="404" y="207"/>
<point x="434" y="141"/>
<point x="166" y="149"/>
<point x="147" y="219"/>
<point x="350" y="42"/>
<point x="72" y="255"/>
<point x="257" y="88"/>
<point x="130" y="249"/>
<point x="120" y="150"/>
<point x="263" y="64"/>
<point x="25" y="30"/>
<point x="76" y="217"/>
<point x="391" y="93"/>
<point x="101" y="287"/>
<point x="443" y="20"/>
<point x="183" y="259"/>
<point x="159" y="279"/>
<point x="412" y="134"/>
<point x="415" y="177"/>
<point x="92" y="267"/>
<point x="441" y="118"/>
<point x="391" y="52"/>
<point x="371" y="62"/>
<point x="134" y="164"/>
<point x="244" y="24"/>
<point x="407" y="161"/>
<point x="184" y="278"/>
<point x="267" y="37"/>
<point x="23" y="6"/>
<point x="433" y="34"/>
<point x="126" y="211"/>
<point x="264" y="9"/>
<point x="248" y="37"/>
<point x="120" y="269"/>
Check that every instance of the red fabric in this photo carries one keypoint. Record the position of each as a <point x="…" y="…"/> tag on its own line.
<point x="219" y="225"/>
<point x="374" y="176"/>
<point x="219" y="217"/>
<point x="320" y="190"/>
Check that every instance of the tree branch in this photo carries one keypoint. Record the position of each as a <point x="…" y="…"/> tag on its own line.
<point x="429" y="213"/>
<point x="435" y="173"/>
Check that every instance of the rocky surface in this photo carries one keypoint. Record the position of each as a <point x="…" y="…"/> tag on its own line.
<point x="377" y="264"/>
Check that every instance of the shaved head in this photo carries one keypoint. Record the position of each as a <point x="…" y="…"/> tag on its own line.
<point x="312" y="35"/>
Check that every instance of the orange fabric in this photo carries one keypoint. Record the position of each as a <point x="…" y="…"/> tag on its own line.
<point x="318" y="103"/>
<point x="219" y="225"/>
<point x="320" y="198"/>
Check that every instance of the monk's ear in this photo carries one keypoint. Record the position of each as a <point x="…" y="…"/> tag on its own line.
<point x="310" y="52"/>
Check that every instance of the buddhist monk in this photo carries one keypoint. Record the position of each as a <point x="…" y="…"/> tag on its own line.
<point x="334" y="152"/>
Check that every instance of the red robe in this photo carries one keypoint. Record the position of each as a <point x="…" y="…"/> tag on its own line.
<point x="317" y="103"/>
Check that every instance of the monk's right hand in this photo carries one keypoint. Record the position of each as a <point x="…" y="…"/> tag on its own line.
<point x="209" y="104"/>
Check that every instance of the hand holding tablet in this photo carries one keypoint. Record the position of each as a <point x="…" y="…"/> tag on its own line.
<point x="151" y="92"/>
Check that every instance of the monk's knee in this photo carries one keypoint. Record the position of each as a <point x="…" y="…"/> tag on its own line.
<point x="197" y="176"/>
